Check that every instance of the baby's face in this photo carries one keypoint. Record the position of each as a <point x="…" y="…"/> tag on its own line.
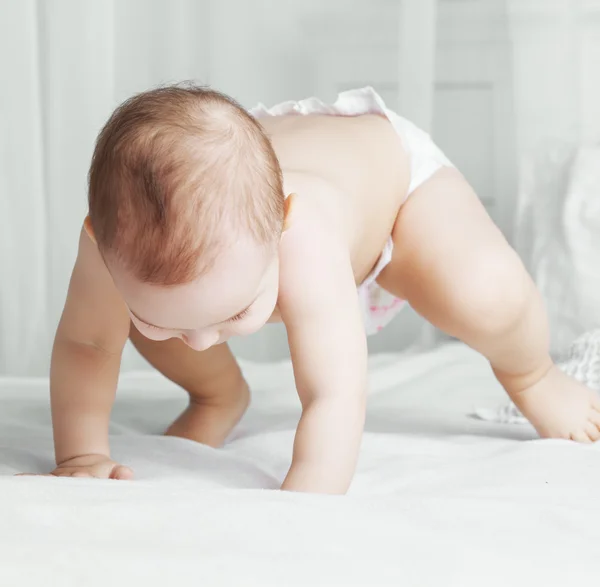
<point x="235" y="298"/>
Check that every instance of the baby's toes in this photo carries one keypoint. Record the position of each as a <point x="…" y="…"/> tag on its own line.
<point x="593" y="431"/>
<point x="594" y="418"/>
<point x="122" y="473"/>
<point x="581" y="437"/>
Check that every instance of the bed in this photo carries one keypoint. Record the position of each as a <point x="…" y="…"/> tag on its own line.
<point x="439" y="498"/>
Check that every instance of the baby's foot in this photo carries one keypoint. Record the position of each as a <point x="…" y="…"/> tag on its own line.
<point x="561" y="407"/>
<point x="210" y="422"/>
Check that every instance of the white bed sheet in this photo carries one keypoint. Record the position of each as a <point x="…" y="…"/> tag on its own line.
<point x="438" y="499"/>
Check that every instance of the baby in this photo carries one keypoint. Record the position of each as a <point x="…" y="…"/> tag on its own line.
<point x="207" y="221"/>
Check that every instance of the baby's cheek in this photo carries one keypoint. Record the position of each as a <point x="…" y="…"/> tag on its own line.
<point x="250" y="325"/>
<point x="244" y="329"/>
<point x="158" y="336"/>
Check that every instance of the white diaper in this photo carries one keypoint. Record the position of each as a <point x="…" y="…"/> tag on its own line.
<point x="379" y="306"/>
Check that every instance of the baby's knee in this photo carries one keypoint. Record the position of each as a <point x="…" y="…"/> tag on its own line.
<point x="496" y="291"/>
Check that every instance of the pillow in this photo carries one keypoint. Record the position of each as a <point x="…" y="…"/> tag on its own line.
<point x="557" y="234"/>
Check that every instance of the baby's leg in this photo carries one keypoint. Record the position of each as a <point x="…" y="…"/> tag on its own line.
<point x="218" y="392"/>
<point x="456" y="269"/>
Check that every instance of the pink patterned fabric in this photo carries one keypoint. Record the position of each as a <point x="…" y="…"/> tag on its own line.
<point x="379" y="306"/>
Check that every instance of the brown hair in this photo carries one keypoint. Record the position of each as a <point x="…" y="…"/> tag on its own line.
<point x="177" y="173"/>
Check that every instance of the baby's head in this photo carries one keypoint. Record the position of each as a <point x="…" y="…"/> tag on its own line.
<point x="186" y="205"/>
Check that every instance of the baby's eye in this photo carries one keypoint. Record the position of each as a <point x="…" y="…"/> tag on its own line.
<point x="241" y="315"/>
<point x="149" y="326"/>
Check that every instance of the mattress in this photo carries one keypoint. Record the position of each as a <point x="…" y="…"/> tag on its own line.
<point x="439" y="497"/>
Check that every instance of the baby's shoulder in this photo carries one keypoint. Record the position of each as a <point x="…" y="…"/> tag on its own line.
<point x="313" y="238"/>
<point x="314" y="204"/>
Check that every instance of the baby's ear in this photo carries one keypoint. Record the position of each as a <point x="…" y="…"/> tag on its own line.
<point x="288" y="207"/>
<point x="87" y="226"/>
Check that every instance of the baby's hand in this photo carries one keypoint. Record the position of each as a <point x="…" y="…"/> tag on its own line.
<point x="98" y="466"/>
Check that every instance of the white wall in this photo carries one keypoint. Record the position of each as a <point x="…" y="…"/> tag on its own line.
<point x="66" y="64"/>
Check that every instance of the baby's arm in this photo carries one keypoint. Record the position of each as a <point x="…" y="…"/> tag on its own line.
<point x="319" y="306"/>
<point x="85" y="366"/>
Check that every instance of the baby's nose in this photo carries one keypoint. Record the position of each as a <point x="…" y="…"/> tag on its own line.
<point x="199" y="340"/>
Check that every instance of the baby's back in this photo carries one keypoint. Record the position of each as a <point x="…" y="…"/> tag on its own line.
<point x="359" y="171"/>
